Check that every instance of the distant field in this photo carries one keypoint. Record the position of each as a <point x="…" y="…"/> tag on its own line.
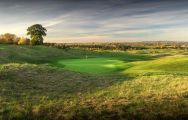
<point x="42" y="83"/>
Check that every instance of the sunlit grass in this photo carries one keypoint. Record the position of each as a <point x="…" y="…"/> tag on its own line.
<point x="107" y="85"/>
<point x="173" y="64"/>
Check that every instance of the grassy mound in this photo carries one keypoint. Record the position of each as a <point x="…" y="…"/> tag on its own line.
<point x="171" y="64"/>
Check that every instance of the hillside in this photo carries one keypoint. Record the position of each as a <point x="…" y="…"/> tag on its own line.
<point x="38" y="82"/>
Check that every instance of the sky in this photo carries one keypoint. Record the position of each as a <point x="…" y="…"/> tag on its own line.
<point x="98" y="20"/>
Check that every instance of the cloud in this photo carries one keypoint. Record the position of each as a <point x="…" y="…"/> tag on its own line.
<point x="85" y="19"/>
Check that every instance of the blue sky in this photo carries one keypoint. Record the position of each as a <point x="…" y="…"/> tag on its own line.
<point x="98" y="20"/>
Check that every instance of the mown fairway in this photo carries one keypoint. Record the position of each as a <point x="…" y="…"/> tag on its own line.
<point x="38" y="82"/>
<point x="173" y="64"/>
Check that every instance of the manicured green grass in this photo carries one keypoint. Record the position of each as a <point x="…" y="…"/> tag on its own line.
<point x="172" y="64"/>
<point x="92" y="65"/>
<point x="44" y="83"/>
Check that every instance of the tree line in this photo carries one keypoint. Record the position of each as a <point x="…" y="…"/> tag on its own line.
<point x="9" y="38"/>
<point x="36" y="33"/>
<point x="122" y="46"/>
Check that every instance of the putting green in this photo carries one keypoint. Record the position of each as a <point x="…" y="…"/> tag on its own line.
<point x="92" y="65"/>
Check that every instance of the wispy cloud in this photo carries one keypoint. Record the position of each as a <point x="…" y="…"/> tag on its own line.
<point x="96" y="20"/>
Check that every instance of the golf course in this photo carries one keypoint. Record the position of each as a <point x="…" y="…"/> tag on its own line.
<point x="94" y="60"/>
<point x="47" y="83"/>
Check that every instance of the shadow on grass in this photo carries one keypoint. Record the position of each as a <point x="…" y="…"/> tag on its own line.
<point x="156" y="110"/>
<point x="20" y="80"/>
<point x="41" y="92"/>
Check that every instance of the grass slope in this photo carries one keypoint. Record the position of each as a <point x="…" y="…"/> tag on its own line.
<point x="177" y="64"/>
<point x="149" y="84"/>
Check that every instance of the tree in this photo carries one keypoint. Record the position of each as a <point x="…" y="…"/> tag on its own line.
<point x="8" y="38"/>
<point x="36" y="33"/>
